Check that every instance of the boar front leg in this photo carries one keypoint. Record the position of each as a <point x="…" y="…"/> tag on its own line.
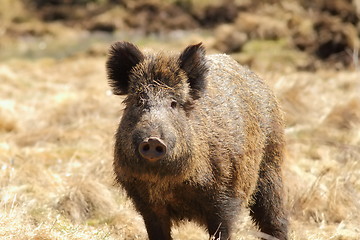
<point x="156" y="216"/>
<point x="157" y="223"/>
<point x="220" y="217"/>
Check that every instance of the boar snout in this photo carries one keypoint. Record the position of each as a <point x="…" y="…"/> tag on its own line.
<point x="152" y="149"/>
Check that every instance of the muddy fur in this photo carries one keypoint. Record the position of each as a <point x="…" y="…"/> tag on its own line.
<point x="224" y="135"/>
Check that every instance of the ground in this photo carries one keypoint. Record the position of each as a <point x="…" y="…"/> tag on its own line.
<point x="58" y="115"/>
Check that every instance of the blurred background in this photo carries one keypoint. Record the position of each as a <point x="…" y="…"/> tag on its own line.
<point x="58" y="115"/>
<point x="304" y="34"/>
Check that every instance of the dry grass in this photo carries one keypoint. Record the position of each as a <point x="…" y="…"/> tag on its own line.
<point x="57" y="120"/>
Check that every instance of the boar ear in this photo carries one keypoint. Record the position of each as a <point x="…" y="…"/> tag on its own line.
<point x="192" y="61"/>
<point x="123" y="56"/>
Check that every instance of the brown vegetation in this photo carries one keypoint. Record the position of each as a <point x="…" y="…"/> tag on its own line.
<point x="56" y="126"/>
<point x="326" y="31"/>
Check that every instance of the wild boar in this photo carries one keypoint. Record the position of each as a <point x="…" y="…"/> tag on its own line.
<point x="200" y="138"/>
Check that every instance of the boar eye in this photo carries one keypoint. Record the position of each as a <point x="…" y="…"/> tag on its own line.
<point x="173" y="104"/>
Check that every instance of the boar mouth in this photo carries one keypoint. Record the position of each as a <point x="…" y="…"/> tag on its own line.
<point x="168" y="165"/>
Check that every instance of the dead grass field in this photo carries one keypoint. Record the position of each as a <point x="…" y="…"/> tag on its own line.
<point x="57" y="119"/>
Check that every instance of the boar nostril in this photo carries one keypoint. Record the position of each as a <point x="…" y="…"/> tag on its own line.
<point x="159" y="149"/>
<point x="152" y="149"/>
<point x="146" y="147"/>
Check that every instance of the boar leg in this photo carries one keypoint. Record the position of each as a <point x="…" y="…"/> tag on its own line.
<point x="157" y="223"/>
<point x="156" y="216"/>
<point x="268" y="211"/>
<point x="220" y="218"/>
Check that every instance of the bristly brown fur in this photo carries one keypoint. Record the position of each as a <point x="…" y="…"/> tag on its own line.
<point x="224" y="138"/>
